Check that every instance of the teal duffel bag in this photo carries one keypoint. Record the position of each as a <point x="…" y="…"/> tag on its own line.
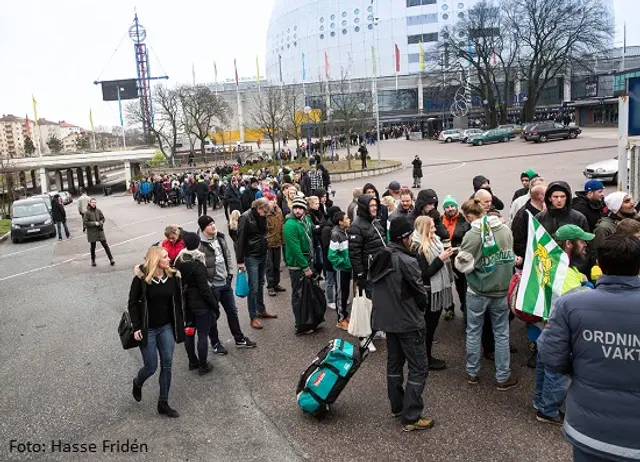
<point x="325" y="378"/>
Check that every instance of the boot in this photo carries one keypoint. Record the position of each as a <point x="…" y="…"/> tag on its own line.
<point x="112" y="261"/>
<point x="93" y="262"/>
<point x="164" y="408"/>
<point x="137" y="391"/>
<point x="205" y="368"/>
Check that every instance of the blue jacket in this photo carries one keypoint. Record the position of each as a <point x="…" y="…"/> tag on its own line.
<point x="594" y="337"/>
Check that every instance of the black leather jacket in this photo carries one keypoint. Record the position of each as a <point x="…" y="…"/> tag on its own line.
<point x="252" y="236"/>
<point x="366" y="237"/>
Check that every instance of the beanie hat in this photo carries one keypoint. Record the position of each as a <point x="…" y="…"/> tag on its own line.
<point x="528" y="174"/>
<point x="191" y="240"/>
<point x="331" y="211"/>
<point x="204" y="221"/>
<point x="614" y="201"/>
<point x="593" y="185"/>
<point x="299" y="202"/>
<point x="428" y="196"/>
<point x="449" y="200"/>
<point x="400" y="228"/>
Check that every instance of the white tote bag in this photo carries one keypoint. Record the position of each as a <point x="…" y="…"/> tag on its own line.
<point x="360" y="318"/>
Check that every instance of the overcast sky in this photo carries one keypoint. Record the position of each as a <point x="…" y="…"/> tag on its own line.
<point x="56" y="49"/>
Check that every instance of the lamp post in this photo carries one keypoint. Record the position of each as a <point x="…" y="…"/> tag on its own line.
<point x="524" y="109"/>
<point x="362" y="107"/>
<point x="329" y="112"/>
<point x="307" y="111"/>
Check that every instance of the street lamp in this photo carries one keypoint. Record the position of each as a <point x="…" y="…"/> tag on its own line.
<point x="524" y="110"/>
<point x="362" y="107"/>
<point x="329" y="112"/>
<point x="307" y="110"/>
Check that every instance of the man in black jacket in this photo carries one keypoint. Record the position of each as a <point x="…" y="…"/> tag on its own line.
<point x="427" y="204"/>
<point x="482" y="182"/>
<point x="251" y="253"/>
<point x="249" y="194"/>
<point x="232" y="196"/>
<point x="558" y="209"/>
<point x="202" y="190"/>
<point x="366" y="239"/>
<point x="59" y="216"/>
<point x="520" y="223"/>
<point x="399" y="303"/>
<point x="590" y="202"/>
<point x="383" y="211"/>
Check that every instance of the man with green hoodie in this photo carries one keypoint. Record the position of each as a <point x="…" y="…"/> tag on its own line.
<point x="486" y="257"/>
<point x="298" y="242"/>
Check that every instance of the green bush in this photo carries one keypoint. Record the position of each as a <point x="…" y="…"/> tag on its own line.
<point x="157" y="160"/>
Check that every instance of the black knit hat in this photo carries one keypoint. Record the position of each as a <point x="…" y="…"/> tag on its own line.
<point x="191" y="240"/>
<point x="400" y="228"/>
<point x="204" y="221"/>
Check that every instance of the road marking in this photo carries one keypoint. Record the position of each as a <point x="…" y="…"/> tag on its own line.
<point x="25" y="251"/>
<point x="78" y="257"/>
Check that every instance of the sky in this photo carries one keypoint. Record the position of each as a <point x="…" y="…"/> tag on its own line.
<point x="55" y="50"/>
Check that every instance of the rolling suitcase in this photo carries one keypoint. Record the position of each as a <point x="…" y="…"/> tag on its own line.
<point x="329" y="373"/>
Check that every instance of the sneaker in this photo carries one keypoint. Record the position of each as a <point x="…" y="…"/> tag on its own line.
<point x="436" y="364"/>
<point x="472" y="379"/>
<point x="508" y="384"/>
<point x="304" y="332"/>
<point x="557" y="420"/>
<point x="534" y="405"/>
<point x="219" y="349"/>
<point x="271" y="292"/>
<point x="331" y="306"/>
<point x="396" y="415"/>
<point x="202" y="370"/>
<point x="449" y="315"/>
<point x="279" y="288"/>
<point x="380" y="335"/>
<point x="61" y="238"/>
<point x="256" y="324"/>
<point x="424" y="423"/>
<point x="344" y="324"/>
<point x="246" y="343"/>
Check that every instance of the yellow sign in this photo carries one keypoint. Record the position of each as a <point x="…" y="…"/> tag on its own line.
<point x="314" y="116"/>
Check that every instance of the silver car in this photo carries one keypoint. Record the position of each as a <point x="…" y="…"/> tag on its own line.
<point x="450" y="135"/>
<point x="468" y="134"/>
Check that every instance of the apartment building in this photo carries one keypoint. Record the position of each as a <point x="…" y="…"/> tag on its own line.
<point x="13" y="133"/>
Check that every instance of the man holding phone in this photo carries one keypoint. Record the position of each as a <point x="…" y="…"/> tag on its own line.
<point x="457" y="227"/>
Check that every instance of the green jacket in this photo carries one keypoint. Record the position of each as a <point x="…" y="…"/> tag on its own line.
<point x="297" y="240"/>
<point x="487" y="275"/>
<point x="339" y="249"/>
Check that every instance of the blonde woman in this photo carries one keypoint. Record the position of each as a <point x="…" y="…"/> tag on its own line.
<point x="233" y="225"/>
<point x="437" y="276"/>
<point x="390" y="202"/>
<point x="155" y="306"/>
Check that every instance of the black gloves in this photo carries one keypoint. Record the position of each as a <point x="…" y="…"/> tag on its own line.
<point x="229" y="279"/>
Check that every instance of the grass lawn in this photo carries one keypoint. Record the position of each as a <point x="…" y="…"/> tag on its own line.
<point x="5" y="226"/>
<point x="333" y="167"/>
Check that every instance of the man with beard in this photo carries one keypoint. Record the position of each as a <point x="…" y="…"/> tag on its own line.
<point x="620" y="206"/>
<point x="551" y="387"/>
<point x="457" y="227"/>
<point x="405" y="207"/>
<point x="590" y="202"/>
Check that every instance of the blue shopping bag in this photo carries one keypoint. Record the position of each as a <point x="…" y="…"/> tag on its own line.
<point x="242" y="284"/>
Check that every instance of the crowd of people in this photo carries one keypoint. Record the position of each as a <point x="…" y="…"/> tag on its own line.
<point x="408" y="254"/>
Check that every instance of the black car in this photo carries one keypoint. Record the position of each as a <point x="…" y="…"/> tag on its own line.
<point x="552" y="130"/>
<point x="526" y="131"/>
<point x="30" y="218"/>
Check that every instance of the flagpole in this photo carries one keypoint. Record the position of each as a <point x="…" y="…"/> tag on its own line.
<point x="35" y="116"/>
<point x="124" y="140"/>
<point x="93" y="132"/>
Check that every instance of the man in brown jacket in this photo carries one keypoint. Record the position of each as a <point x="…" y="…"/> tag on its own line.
<point x="275" y="223"/>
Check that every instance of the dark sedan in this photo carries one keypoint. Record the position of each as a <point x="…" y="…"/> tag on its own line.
<point x="543" y="132"/>
<point x="31" y="218"/>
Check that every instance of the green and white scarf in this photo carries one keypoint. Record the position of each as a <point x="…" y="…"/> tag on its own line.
<point x="489" y="244"/>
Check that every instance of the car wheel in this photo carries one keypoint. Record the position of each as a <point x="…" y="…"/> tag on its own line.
<point x="480" y="142"/>
<point x="505" y="139"/>
<point x="572" y="135"/>
<point x="15" y="240"/>
<point x="448" y="140"/>
<point x="52" y="235"/>
<point x="543" y="138"/>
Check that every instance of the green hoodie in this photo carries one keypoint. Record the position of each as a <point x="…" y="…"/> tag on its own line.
<point x="339" y="249"/>
<point x="297" y="239"/>
<point x="487" y="275"/>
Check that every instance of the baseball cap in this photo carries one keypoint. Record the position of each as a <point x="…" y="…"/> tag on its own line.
<point x="394" y="186"/>
<point x="593" y="185"/>
<point x="572" y="232"/>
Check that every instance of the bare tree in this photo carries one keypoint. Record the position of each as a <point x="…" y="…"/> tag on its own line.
<point x="203" y="110"/>
<point x="554" y="36"/>
<point x="294" y="104"/>
<point x="268" y="114"/>
<point x="166" y="104"/>
<point x="350" y="104"/>
<point x="7" y="185"/>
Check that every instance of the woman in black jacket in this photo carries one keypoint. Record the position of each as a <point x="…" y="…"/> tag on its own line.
<point x="199" y="303"/>
<point x="155" y="306"/>
<point x="437" y="277"/>
<point x="59" y="216"/>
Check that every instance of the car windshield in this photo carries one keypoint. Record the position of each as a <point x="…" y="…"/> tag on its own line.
<point x="29" y="210"/>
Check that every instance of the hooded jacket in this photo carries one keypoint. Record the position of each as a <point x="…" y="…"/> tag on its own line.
<point x="592" y="211"/>
<point x="479" y="181"/>
<point x="366" y="237"/>
<point x="487" y="275"/>
<point x="429" y="196"/>
<point x="58" y="213"/>
<point x="252" y="236"/>
<point x="552" y="218"/>
<point x="383" y="211"/>
<point x="298" y="241"/>
<point x="399" y="298"/>
<point x="139" y="309"/>
<point x="593" y="337"/>
<point x="197" y="295"/>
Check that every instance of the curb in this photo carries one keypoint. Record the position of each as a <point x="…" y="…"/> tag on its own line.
<point x="346" y="176"/>
<point x="5" y="237"/>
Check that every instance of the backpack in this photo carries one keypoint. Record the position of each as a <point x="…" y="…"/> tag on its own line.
<point x="512" y="295"/>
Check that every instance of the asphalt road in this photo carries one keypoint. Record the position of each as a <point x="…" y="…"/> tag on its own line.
<point x="65" y="377"/>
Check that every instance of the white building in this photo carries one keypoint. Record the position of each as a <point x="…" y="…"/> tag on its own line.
<point x="344" y="32"/>
<point x="13" y="132"/>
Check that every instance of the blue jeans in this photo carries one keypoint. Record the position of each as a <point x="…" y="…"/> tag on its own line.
<point x="161" y="339"/>
<point x="477" y="305"/>
<point x="256" y="267"/>
<point x="227" y="299"/>
<point x="59" y="225"/>
<point x="201" y="320"/>
<point x="330" y="286"/>
<point x="551" y="389"/>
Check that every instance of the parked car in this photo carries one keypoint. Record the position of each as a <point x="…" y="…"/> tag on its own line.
<point x="515" y="128"/>
<point x="605" y="170"/>
<point x="492" y="136"/>
<point x="31" y="218"/>
<point x="468" y="134"/>
<point x="64" y="195"/>
<point x="526" y="131"/>
<point x="45" y="198"/>
<point x="449" y="135"/>
<point x="551" y="130"/>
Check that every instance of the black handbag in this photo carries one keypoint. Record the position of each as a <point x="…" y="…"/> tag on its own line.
<point x="125" y="331"/>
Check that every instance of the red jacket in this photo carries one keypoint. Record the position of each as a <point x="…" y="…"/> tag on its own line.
<point x="173" y="249"/>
